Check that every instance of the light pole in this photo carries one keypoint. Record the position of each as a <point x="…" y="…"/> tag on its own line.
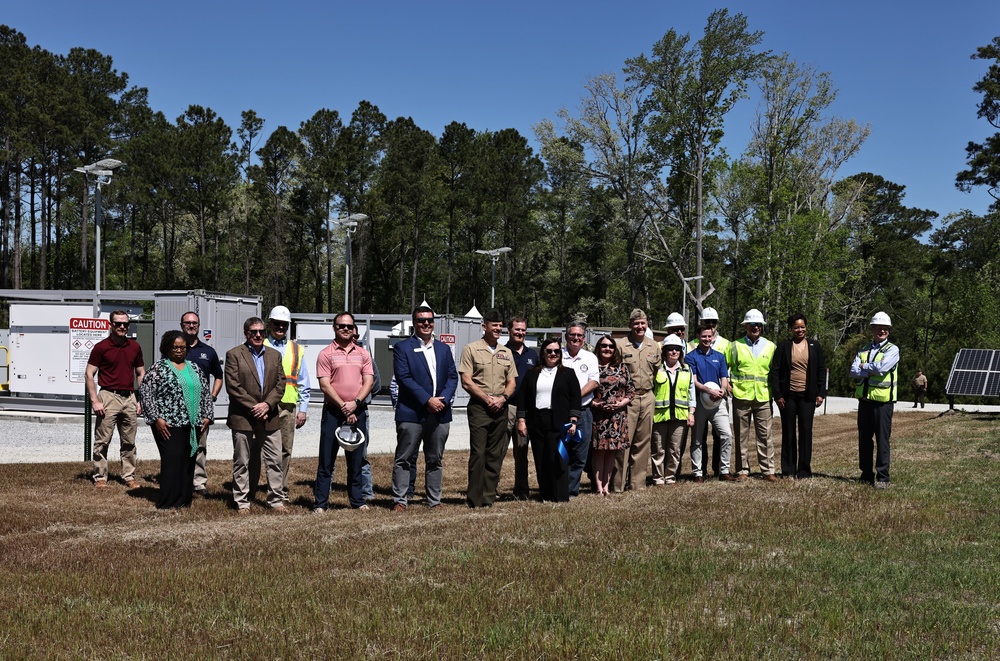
<point x="684" y="305"/>
<point x="494" y="255"/>
<point x="350" y="224"/>
<point x="101" y="171"/>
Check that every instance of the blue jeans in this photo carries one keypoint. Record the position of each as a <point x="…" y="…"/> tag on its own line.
<point x="578" y="453"/>
<point x="328" y="447"/>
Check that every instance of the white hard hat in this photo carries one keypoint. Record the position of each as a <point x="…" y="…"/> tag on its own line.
<point x="674" y="319"/>
<point x="753" y="316"/>
<point x="673" y="341"/>
<point x="280" y="313"/>
<point x="880" y="319"/>
<point x="350" y="437"/>
<point x="706" y="399"/>
<point x="709" y="314"/>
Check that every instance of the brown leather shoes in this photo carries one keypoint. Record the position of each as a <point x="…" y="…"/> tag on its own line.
<point x="771" y="477"/>
<point x="728" y="477"/>
<point x="399" y="507"/>
<point x="699" y="479"/>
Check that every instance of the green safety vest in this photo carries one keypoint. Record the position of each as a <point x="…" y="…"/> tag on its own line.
<point x="877" y="387"/>
<point x="671" y="398"/>
<point x="291" y="364"/>
<point x="748" y="375"/>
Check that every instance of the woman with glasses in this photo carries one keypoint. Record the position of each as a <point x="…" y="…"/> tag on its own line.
<point x="673" y="389"/>
<point x="549" y="399"/>
<point x="798" y="375"/>
<point x="611" y="399"/>
<point x="177" y="404"/>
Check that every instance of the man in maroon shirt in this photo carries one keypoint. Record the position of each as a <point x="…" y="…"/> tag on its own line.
<point x="116" y="362"/>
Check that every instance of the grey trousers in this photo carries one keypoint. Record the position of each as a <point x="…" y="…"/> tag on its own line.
<point x="409" y="435"/>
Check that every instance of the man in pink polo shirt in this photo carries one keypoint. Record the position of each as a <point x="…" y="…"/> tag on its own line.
<point x="345" y="376"/>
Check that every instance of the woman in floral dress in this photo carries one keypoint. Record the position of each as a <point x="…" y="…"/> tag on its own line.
<point x="609" y="408"/>
<point x="177" y="404"/>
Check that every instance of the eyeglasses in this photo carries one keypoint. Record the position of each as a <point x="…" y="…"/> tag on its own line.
<point x="120" y="324"/>
<point x="190" y="323"/>
<point x="345" y="326"/>
<point x="425" y="321"/>
<point x="553" y="352"/>
<point x="254" y="332"/>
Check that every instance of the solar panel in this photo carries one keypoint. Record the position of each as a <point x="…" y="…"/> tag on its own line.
<point x="975" y="372"/>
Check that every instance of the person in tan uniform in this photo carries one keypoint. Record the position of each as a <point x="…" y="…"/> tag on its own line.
<point x="489" y="376"/>
<point x="641" y="356"/>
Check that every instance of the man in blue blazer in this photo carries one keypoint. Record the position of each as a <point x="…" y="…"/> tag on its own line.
<point x="425" y="374"/>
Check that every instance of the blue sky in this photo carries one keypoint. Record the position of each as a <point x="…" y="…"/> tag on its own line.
<point x="902" y="67"/>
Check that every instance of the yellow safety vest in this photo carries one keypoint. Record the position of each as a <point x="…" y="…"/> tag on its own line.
<point x="877" y="387"/>
<point x="672" y="398"/>
<point x="748" y="375"/>
<point x="291" y="364"/>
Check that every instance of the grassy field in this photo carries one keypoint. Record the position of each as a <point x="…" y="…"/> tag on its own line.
<point x="818" y="568"/>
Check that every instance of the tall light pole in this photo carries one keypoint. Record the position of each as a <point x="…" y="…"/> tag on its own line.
<point x="350" y="224"/>
<point x="101" y="171"/>
<point x="684" y="305"/>
<point x="494" y="255"/>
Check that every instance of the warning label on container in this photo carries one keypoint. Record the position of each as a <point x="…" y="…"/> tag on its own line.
<point x="84" y="333"/>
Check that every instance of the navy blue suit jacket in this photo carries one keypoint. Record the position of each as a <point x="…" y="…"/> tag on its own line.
<point x="413" y="379"/>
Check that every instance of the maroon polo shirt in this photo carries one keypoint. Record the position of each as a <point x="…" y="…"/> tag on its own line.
<point x="116" y="364"/>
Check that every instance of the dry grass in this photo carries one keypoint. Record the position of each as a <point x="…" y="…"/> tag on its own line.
<point x="818" y="568"/>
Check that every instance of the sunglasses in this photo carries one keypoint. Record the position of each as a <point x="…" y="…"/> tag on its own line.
<point x="345" y="326"/>
<point x="553" y="352"/>
<point x="280" y="325"/>
<point x="669" y="349"/>
<point x="606" y="346"/>
<point x="255" y="332"/>
<point x="120" y="324"/>
<point x="425" y="321"/>
<point x="755" y="325"/>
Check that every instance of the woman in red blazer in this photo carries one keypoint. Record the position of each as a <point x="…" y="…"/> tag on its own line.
<point x="798" y="381"/>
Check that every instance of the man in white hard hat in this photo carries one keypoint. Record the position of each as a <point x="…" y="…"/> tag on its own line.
<point x="293" y="409"/>
<point x="676" y="326"/>
<point x="711" y="375"/>
<point x="874" y="372"/>
<point x="749" y="371"/>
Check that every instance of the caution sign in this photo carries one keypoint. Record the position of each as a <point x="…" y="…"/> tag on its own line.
<point x="447" y="338"/>
<point x="84" y="333"/>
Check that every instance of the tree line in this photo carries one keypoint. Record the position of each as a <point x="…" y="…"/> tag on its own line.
<point x="628" y="199"/>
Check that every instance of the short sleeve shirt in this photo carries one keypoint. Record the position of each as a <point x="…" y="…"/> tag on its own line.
<point x="345" y="367"/>
<point x="206" y="358"/>
<point x="710" y="367"/>
<point x="523" y="361"/>
<point x="584" y="365"/>
<point x="116" y="363"/>
<point x="488" y="368"/>
<point x="642" y="361"/>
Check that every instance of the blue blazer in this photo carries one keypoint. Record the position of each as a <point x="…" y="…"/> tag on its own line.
<point x="413" y="379"/>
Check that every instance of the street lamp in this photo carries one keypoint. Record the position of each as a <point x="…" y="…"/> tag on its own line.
<point x="101" y="171"/>
<point x="494" y="256"/>
<point x="350" y="224"/>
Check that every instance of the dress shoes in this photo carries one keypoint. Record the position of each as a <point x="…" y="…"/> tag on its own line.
<point x="770" y="477"/>
<point x="698" y="479"/>
<point x="727" y="477"/>
<point x="399" y="507"/>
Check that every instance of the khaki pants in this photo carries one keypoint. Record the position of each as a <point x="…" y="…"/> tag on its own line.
<point x="744" y="435"/>
<point x="632" y="465"/>
<point x="200" y="469"/>
<point x="246" y="446"/>
<point x="667" y="440"/>
<point x="286" y="416"/>
<point x="119" y="411"/>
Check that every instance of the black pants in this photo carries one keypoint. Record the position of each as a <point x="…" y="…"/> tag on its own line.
<point x="874" y="422"/>
<point x="176" y="468"/>
<point x="796" y="449"/>
<point x="551" y="470"/>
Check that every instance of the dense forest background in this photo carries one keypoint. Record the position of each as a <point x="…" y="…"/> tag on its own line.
<point x="629" y="194"/>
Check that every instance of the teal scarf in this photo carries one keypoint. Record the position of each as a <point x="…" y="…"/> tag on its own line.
<point x="191" y="388"/>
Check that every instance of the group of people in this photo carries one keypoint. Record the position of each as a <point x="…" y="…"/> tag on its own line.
<point x="623" y="413"/>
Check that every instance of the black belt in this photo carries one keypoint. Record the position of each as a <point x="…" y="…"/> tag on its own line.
<point x="120" y="393"/>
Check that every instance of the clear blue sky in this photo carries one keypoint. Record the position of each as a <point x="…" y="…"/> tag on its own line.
<point x="902" y="67"/>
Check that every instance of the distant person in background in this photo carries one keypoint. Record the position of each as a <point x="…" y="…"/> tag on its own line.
<point x="798" y="379"/>
<point x="206" y="358"/>
<point x="610" y="406"/>
<point x="116" y="363"/>
<point x="525" y="359"/>
<point x="919" y="389"/>
<point x="177" y="405"/>
<point x="549" y="400"/>
<point x="874" y="372"/>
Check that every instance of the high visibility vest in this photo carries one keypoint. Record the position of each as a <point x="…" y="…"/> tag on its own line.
<point x="721" y="345"/>
<point x="291" y="364"/>
<point x="877" y="387"/>
<point x="748" y="375"/>
<point x="672" y="398"/>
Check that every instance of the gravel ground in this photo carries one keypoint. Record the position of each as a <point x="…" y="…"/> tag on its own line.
<point x="39" y="438"/>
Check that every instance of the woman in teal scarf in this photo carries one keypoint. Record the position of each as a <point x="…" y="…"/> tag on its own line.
<point x="177" y="404"/>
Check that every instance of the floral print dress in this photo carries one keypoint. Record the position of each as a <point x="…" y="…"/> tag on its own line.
<point x="611" y="427"/>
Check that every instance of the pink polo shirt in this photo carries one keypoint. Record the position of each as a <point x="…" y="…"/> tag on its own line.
<point x="345" y="368"/>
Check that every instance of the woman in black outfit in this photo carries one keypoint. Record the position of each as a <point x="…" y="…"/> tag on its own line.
<point x="798" y="381"/>
<point x="549" y="399"/>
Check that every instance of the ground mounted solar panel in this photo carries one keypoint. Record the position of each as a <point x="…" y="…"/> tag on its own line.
<point x="975" y="373"/>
